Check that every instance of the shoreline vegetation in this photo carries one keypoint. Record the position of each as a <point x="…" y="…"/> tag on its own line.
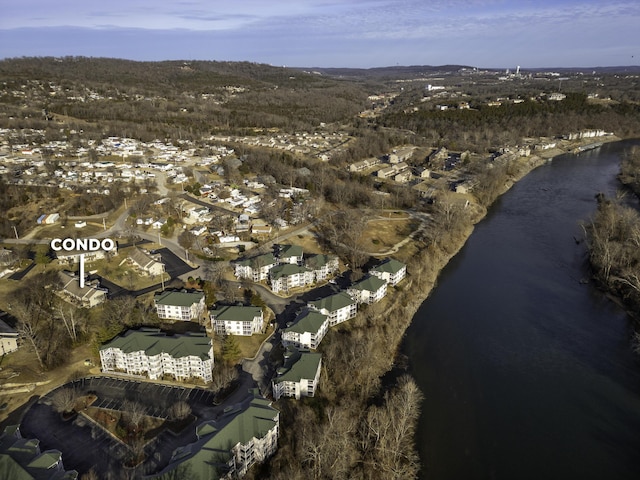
<point x="613" y="241"/>
<point x="355" y="427"/>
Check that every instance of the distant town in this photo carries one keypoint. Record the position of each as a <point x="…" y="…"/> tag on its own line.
<point x="248" y="260"/>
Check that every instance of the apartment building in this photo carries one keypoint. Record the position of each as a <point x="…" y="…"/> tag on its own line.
<point x="179" y="305"/>
<point x="237" y="320"/>
<point x="151" y="353"/>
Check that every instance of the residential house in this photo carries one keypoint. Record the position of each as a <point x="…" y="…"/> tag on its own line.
<point x="237" y="320"/>
<point x="158" y="224"/>
<point x="368" y="290"/>
<point x="154" y="354"/>
<point x="299" y="376"/>
<point x="290" y="254"/>
<point x="403" y="177"/>
<point x="255" y="268"/>
<point x="260" y="229"/>
<point x="8" y="336"/>
<point x="198" y="230"/>
<point x="227" y="447"/>
<point x="391" y="271"/>
<point x="73" y="256"/>
<point x="387" y="172"/>
<point x="287" y="276"/>
<point x="199" y="213"/>
<point x="307" y="331"/>
<point x="338" y="307"/>
<point x="145" y="262"/>
<point x="179" y="305"/>
<point x="88" y="296"/>
<point x="363" y="164"/>
<point x="22" y="459"/>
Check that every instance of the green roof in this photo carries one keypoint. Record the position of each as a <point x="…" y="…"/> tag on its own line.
<point x="236" y="313"/>
<point x="20" y="460"/>
<point x="317" y="261"/>
<point x="153" y="342"/>
<point x="307" y="321"/>
<point x="333" y="302"/>
<point x="259" y="261"/>
<point x="370" y="284"/>
<point x="12" y="469"/>
<point x="305" y="367"/>
<point x="46" y="459"/>
<point x="201" y="459"/>
<point x="389" y="266"/>
<point x="290" y="251"/>
<point x="178" y="299"/>
<point x="286" y="269"/>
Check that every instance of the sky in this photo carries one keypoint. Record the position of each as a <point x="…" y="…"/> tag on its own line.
<point x="330" y="33"/>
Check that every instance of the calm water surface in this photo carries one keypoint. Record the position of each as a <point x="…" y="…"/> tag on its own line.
<point x="527" y="373"/>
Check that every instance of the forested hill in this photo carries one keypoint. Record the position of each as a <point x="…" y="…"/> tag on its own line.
<point x="395" y="72"/>
<point x="193" y="96"/>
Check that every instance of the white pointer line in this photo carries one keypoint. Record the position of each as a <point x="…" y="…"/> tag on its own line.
<point x="82" y="270"/>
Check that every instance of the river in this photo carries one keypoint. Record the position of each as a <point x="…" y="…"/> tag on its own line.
<point x="527" y="372"/>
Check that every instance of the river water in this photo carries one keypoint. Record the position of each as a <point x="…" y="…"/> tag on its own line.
<point x="527" y="372"/>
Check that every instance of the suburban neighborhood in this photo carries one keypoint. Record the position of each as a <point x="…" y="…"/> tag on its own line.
<point x="256" y="262"/>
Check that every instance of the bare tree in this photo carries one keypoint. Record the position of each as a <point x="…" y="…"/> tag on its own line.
<point x="223" y="375"/>
<point x="64" y="400"/>
<point x="90" y="475"/>
<point x="135" y="413"/>
<point x="70" y="320"/>
<point x="214" y="272"/>
<point x="179" y="410"/>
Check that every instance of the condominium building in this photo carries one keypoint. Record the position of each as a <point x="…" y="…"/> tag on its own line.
<point x="299" y="376"/>
<point x="88" y="296"/>
<point x="338" y="307"/>
<point x="255" y="268"/>
<point x="151" y="353"/>
<point x="307" y="331"/>
<point x="227" y="447"/>
<point x="237" y="320"/>
<point x="322" y="265"/>
<point x="22" y="459"/>
<point x="368" y="290"/>
<point x="179" y="305"/>
<point x="391" y="270"/>
<point x="290" y="254"/>
<point x="286" y="276"/>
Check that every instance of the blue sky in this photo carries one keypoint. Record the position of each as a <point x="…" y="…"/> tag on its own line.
<point x="330" y="33"/>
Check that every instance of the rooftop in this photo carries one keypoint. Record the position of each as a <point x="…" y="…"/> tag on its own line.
<point x="307" y="321"/>
<point x="154" y="342"/>
<point x="302" y="366"/>
<point x="179" y="299"/>
<point x="390" y="265"/>
<point x="236" y="313"/>
<point x="370" y="284"/>
<point x="286" y="269"/>
<point x="333" y="302"/>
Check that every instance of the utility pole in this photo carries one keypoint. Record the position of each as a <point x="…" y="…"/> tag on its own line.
<point x="16" y="232"/>
<point x="104" y="225"/>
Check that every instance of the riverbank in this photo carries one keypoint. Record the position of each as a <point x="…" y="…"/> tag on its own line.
<point x="511" y="337"/>
<point x="350" y="426"/>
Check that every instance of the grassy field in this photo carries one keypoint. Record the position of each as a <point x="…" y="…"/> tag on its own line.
<point x="382" y="234"/>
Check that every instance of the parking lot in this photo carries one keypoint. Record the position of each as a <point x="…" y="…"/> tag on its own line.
<point x="84" y="444"/>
